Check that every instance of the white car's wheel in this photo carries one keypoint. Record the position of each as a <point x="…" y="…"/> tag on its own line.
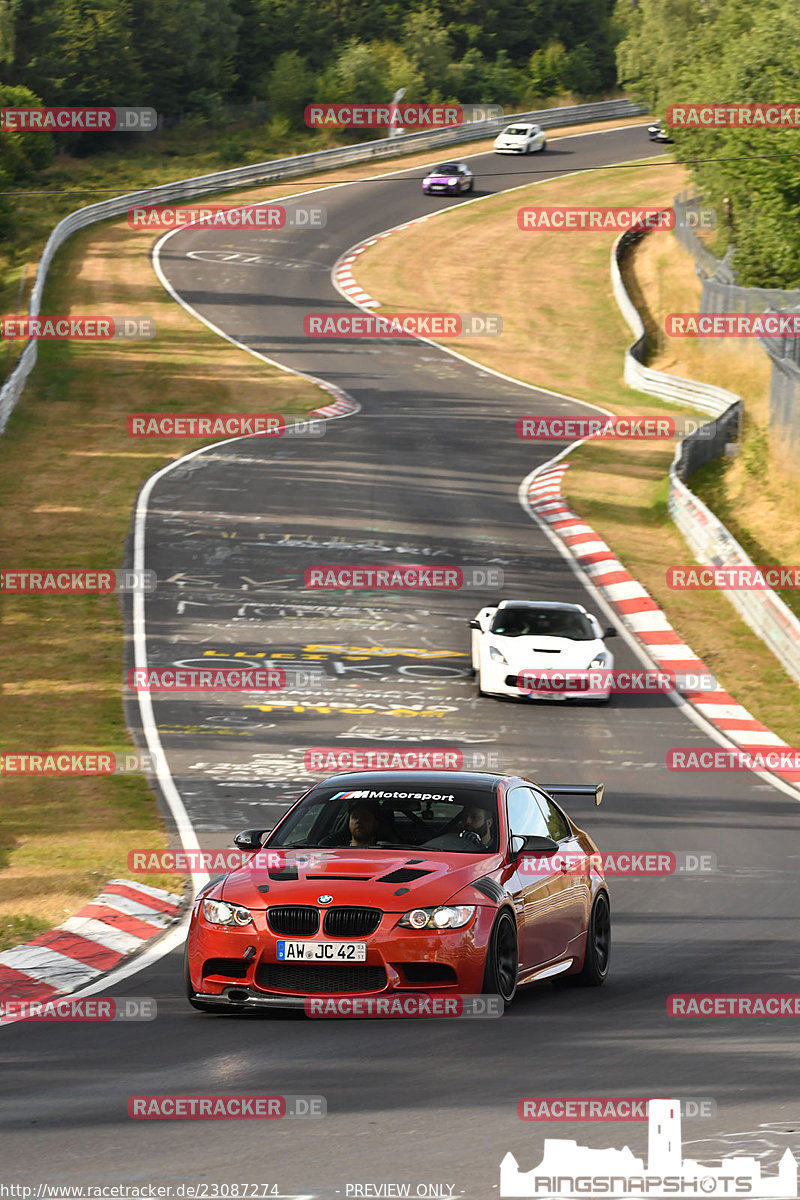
<point x="481" y="692"/>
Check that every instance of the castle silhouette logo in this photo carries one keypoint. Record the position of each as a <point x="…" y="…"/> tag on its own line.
<point x="568" y="1169"/>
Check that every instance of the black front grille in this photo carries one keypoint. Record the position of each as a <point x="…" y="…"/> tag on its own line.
<point x="297" y="919"/>
<point x="317" y="979"/>
<point x="351" y="922"/>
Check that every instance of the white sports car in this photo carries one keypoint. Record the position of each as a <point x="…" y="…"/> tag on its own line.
<point x="534" y="636"/>
<point x="520" y="139"/>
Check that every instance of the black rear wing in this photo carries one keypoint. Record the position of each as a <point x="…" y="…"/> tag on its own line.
<point x="575" y="789"/>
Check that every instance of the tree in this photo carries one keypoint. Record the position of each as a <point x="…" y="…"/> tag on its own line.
<point x="427" y="47"/>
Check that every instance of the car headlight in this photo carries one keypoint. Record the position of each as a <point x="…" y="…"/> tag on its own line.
<point x="446" y="916"/>
<point x="496" y="656"/>
<point x="599" y="660"/>
<point x="218" y="912"/>
<point x="452" y="182"/>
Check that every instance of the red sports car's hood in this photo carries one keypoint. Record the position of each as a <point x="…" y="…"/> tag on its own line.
<point x="392" y="880"/>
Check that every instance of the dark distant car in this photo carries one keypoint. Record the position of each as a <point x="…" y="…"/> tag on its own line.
<point x="442" y="882"/>
<point x="450" y="177"/>
<point x="659" y="133"/>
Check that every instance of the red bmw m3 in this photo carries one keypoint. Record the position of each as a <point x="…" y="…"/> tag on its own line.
<point x="404" y="881"/>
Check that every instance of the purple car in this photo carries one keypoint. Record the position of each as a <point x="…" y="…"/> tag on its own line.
<point x="450" y="177"/>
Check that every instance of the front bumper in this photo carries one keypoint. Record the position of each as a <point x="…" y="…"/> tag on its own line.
<point x="398" y="960"/>
<point x="496" y="681"/>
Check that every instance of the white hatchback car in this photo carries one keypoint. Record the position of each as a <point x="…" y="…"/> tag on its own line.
<point x="520" y="139"/>
<point x="517" y="636"/>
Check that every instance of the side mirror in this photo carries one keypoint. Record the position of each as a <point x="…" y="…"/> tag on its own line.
<point x="610" y="631"/>
<point x="474" y="624"/>
<point x="533" y="844"/>
<point x="249" y="839"/>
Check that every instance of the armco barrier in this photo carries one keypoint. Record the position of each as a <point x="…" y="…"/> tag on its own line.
<point x="710" y="542"/>
<point x="283" y="168"/>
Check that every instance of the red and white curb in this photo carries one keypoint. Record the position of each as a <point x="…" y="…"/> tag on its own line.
<point x="638" y="610"/>
<point x="342" y="405"/>
<point x="122" y="919"/>
<point x="343" y="271"/>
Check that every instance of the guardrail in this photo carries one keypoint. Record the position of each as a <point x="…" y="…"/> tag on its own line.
<point x="708" y="539"/>
<point x="281" y="168"/>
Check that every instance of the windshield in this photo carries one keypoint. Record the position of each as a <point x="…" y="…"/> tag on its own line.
<point x="516" y="131"/>
<point x="446" y="169"/>
<point x="542" y="622"/>
<point x="454" y="819"/>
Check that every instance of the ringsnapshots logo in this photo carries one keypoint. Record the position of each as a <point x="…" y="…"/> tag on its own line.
<point x="402" y="325"/>
<point x="731" y="324"/>
<point x="605" y="1108"/>
<point x="224" y="1107"/>
<point x="401" y="578"/>
<point x="567" y="1169"/>
<point x="333" y="759"/>
<point x="113" y="119"/>
<point x="78" y="581"/>
<point x="733" y="116"/>
<point x="383" y="116"/>
<point x="76" y="762"/>
<point x="611" y="219"/>
<point x="94" y="328"/>
<point x="228" y="216"/>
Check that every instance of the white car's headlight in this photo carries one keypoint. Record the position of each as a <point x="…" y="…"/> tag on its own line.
<point x="496" y="656"/>
<point x="599" y="660"/>
<point x="217" y="912"/>
<point x="446" y="916"/>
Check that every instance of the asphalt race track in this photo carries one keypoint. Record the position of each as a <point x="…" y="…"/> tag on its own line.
<point x="427" y="472"/>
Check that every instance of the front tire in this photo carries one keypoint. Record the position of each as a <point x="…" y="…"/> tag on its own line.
<point x="502" y="959"/>
<point x="598" y="945"/>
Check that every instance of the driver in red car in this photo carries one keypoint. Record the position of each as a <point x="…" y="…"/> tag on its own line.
<point x="476" y="825"/>
<point x="364" y="823"/>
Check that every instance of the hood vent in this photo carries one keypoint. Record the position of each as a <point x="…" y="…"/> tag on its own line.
<point x="403" y="875"/>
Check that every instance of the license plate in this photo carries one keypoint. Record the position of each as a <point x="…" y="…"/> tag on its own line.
<point x="322" y="951"/>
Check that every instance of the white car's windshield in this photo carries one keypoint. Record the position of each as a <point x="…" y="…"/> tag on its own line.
<point x="542" y="622"/>
<point x="517" y="131"/>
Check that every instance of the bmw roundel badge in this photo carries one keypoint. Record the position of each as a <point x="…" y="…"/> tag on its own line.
<point x="324" y="899"/>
